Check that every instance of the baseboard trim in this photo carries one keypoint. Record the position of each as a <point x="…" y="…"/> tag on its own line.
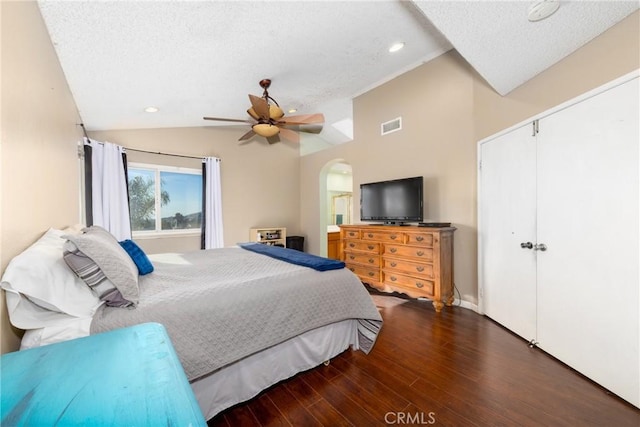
<point x="459" y="303"/>
<point x="466" y="304"/>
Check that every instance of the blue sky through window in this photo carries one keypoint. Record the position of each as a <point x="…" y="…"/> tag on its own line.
<point x="185" y="192"/>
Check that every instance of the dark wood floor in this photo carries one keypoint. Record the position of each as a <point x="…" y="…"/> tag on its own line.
<point x="455" y="368"/>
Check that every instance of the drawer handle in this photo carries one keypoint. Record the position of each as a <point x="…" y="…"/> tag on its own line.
<point x="393" y="278"/>
<point x="393" y="264"/>
<point x="419" y="238"/>
<point x="370" y="235"/>
<point x="370" y="247"/>
<point x="393" y="237"/>
<point x="420" y="253"/>
<point x="352" y="234"/>
<point x="420" y="269"/>
<point x="393" y="250"/>
<point x="419" y="285"/>
<point x="352" y="245"/>
<point x="371" y="260"/>
<point x="352" y="269"/>
<point x="352" y="257"/>
<point x="371" y="273"/>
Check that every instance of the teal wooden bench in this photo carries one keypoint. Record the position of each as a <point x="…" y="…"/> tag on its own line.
<point x="130" y="376"/>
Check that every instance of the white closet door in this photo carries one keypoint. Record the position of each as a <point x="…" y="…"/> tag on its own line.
<point x="507" y="219"/>
<point x="588" y="218"/>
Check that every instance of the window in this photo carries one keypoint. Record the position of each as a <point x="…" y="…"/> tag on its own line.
<point x="164" y="199"/>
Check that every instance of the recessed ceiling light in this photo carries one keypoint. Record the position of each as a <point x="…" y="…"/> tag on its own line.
<point x="542" y="10"/>
<point x="151" y="109"/>
<point x="291" y="110"/>
<point x="396" y="47"/>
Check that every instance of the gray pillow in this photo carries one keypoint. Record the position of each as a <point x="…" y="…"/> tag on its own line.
<point x="103" y="249"/>
<point x="87" y="270"/>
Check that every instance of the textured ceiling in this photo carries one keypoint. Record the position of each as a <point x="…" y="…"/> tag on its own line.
<point x="505" y="48"/>
<point x="201" y="58"/>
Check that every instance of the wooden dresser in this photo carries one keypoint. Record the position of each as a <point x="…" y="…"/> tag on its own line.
<point x="416" y="261"/>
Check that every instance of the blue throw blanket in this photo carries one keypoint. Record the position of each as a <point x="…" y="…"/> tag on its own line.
<point x="294" y="257"/>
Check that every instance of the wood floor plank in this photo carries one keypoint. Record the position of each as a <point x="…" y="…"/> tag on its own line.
<point x="343" y="403"/>
<point x="303" y="392"/>
<point x="266" y="412"/>
<point x="293" y="411"/>
<point x="241" y="416"/>
<point x="455" y="368"/>
<point x="327" y="415"/>
<point x="358" y="375"/>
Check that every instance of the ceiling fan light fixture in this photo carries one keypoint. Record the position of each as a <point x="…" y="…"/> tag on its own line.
<point x="542" y="10"/>
<point x="275" y="112"/>
<point x="396" y="47"/>
<point x="266" y="130"/>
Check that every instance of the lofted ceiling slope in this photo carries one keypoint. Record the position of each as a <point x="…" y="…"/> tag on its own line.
<point x="201" y="58"/>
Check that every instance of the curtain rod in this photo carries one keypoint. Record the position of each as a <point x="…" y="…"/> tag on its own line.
<point x="165" y="154"/>
<point x="149" y="152"/>
<point x="84" y="131"/>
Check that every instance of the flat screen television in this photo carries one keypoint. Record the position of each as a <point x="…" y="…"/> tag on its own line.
<point x="392" y="202"/>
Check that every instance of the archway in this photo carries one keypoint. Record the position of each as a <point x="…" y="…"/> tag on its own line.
<point x="335" y="190"/>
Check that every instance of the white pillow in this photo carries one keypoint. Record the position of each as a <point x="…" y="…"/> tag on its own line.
<point x="42" y="290"/>
<point x="71" y="329"/>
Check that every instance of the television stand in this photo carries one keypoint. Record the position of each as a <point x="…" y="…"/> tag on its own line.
<point x="416" y="261"/>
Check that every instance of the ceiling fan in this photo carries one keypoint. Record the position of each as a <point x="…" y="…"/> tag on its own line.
<point x="269" y="120"/>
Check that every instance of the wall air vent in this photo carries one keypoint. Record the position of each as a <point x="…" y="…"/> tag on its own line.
<point x="391" y="126"/>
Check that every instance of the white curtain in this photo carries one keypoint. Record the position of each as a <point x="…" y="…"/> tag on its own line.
<point x="212" y="205"/>
<point x="110" y="201"/>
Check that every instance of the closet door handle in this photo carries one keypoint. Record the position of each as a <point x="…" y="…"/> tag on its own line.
<point x="540" y="247"/>
<point x="527" y="245"/>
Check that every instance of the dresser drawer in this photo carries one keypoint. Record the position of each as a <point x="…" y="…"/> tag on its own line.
<point x="382" y="236"/>
<point x="360" y="258"/>
<point x="358" y="245"/>
<point x="408" y="267"/>
<point x="351" y="234"/>
<point x="365" y="274"/>
<point x="425" y="287"/>
<point x="422" y="239"/>
<point x="417" y="252"/>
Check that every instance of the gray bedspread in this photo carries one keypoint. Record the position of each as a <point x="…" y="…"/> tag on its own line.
<point x="222" y="305"/>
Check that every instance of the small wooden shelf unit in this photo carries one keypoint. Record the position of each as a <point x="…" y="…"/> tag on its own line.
<point x="416" y="261"/>
<point x="269" y="235"/>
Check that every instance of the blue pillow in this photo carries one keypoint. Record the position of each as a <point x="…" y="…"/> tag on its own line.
<point x="138" y="256"/>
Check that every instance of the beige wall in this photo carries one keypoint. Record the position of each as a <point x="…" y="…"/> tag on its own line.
<point x="446" y="109"/>
<point x="435" y="102"/>
<point x="39" y="170"/>
<point x="260" y="186"/>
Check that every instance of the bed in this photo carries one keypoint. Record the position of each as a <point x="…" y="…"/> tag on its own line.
<point x="240" y="321"/>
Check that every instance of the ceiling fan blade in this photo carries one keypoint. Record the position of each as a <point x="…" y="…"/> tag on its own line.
<point x="290" y="135"/>
<point x="312" y="128"/>
<point x="247" y="135"/>
<point x="260" y="107"/>
<point x="273" y="139"/>
<point x="303" y="119"/>
<point x="252" y="113"/>
<point x="220" y="119"/>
